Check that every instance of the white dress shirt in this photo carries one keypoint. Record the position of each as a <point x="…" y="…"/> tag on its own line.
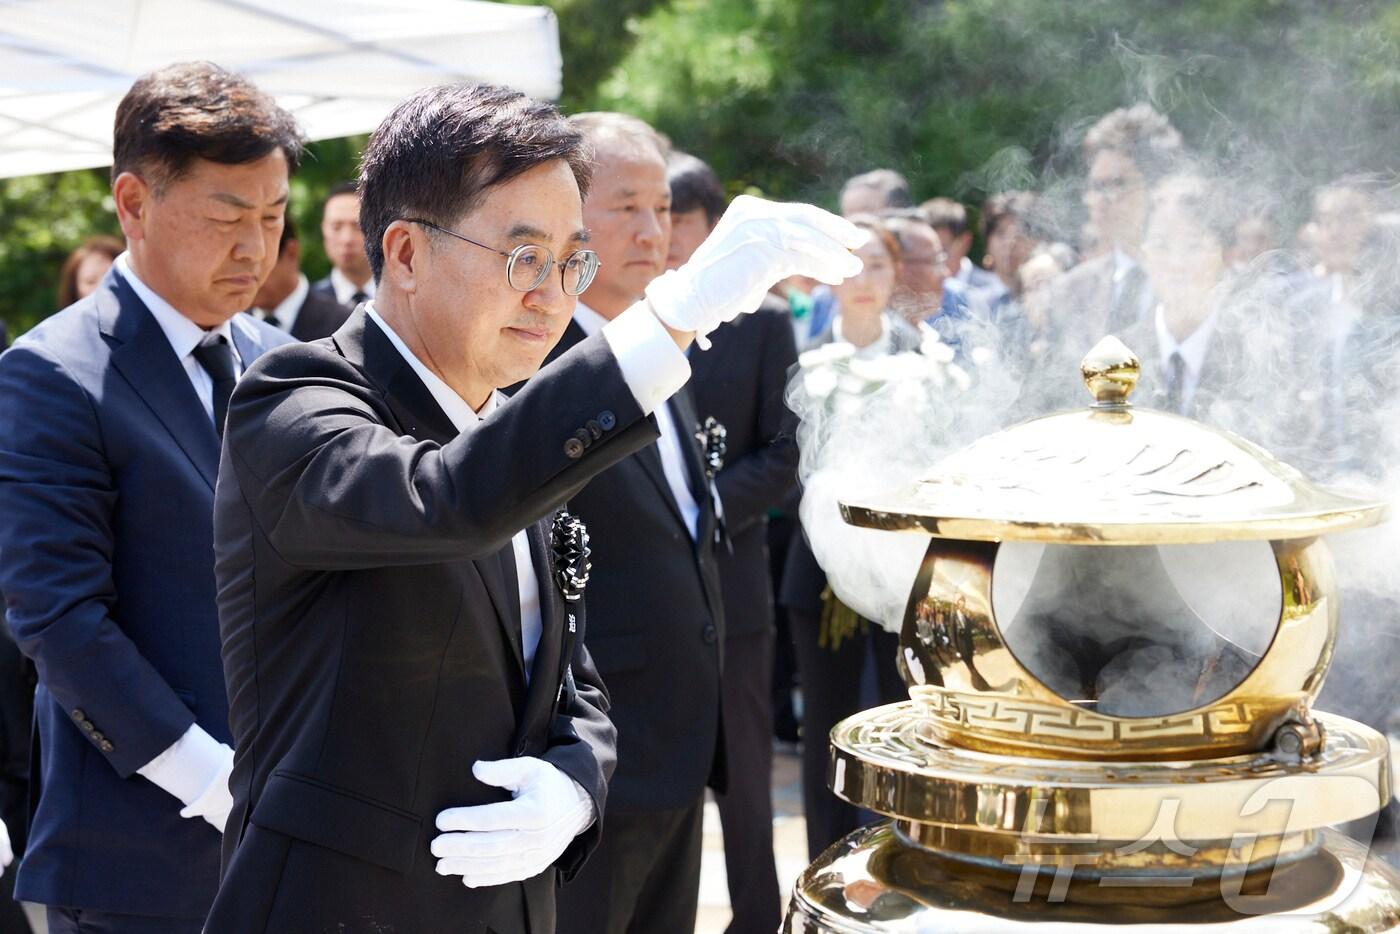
<point x="289" y="308"/>
<point x="669" y="445"/>
<point x="1193" y="353"/>
<point x="184" y="335"/>
<point x="464" y="419"/>
<point x="345" y="289"/>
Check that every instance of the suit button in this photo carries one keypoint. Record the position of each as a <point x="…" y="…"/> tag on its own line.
<point x="607" y="420"/>
<point x="86" y="726"/>
<point x="105" y="746"/>
<point x="78" y="715"/>
<point x="573" y="448"/>
<point x="709" y="633"/>
<point x="98" y="738"/>
<point x="584" y="437"/>
<point x="594" y="429"/>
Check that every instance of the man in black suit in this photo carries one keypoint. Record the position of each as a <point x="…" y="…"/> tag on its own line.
<point x="350" y="280"/>
<point x="110" y="416"/>
<point x="422" y="737"/>
<point x="287" y="301"/>
<point x="741" y="382"/>
<point x="659" y="619"/>
<point x="1127" y="151"/>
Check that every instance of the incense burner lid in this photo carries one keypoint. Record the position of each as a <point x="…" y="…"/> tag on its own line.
<point x="1113" y="474"/>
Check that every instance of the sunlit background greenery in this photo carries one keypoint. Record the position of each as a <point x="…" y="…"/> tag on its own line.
<point x="966" y="97"/>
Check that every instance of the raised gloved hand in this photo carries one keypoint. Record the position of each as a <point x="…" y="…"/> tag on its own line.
<point x="755" y="244"/>
<point x="215" y="802"/>
<point x="7" y="855"/>
<point x="492" y="844"/>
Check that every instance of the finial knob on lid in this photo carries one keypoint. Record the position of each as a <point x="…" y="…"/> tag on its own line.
<point x="1110" y="371"/>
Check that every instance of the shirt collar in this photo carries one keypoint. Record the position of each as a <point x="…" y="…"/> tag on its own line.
<point x="287" y="310"/>
<point x="1193" y="349"/>
<point x="588" y="320"/>
<point x="453" y="406"/>
<point x="182" y="333"/>
<point x="345" y="289"/>
<point x="882" y="345"/>
<point x="1122" y="265"/>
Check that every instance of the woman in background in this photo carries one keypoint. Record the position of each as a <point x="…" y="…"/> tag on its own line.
<point x="833" y="642"/>
<point x="84" y="268"/>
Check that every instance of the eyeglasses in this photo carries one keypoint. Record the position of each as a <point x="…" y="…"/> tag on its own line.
<point x="528" y="264"/>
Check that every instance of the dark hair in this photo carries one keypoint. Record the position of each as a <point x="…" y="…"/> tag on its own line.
<point x="1005" y="207"/>
<point x="1140" y="133"/>
<point x="438" y="154"/>
<point x="338" y="189"/>
<point x="882" y="232"/>
<point x="196" y="110"/>
<point x="695" y="186"/>
<point x="945" y="213"/>
<point x="889" y="183"/>
<point x="111" y="247"/>
<point x="898" y="220"/>
<point x="289" y="233"/>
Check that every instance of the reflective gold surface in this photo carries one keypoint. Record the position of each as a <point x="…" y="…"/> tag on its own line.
<point x="1113" y="474"/>
<point x="1015" y="806"/>
<point x="977" y="694"/>
<point x="889" y="761"/>
<point x="877" y="881"/>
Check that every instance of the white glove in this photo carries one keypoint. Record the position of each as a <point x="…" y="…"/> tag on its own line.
<point x="755" y="244"/>
<point x="215" y="802"/>
<point x="492" y="844"/>
<point x="7" y="854"/>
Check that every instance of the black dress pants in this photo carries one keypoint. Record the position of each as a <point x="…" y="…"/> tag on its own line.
<point x="643" y="877"/>
<point x="746" y="808"/>
<point x="831" y="667"/>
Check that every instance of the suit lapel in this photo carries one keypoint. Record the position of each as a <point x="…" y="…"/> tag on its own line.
<point x="683" y="411"/>
<point x="557" y="634"/>
<point x="419" y="415"/>
<point x="148" y="363"/>
<point x="649" y="458"/>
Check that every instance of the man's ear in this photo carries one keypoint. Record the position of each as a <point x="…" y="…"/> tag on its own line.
<point x="133" y="198"/>
<point x="405" y="252"/>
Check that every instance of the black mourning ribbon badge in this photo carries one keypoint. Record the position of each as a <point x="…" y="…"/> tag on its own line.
<point x="714" y="440"/>
<point x="568" y="539"/>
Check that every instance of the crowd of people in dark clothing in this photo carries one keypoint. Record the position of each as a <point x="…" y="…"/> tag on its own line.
<point x="709" y="617"/>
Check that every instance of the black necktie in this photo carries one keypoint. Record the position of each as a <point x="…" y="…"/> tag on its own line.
<point x="1176" y="381"/>
<point x="357" y="298"/>
<point x="272" y="320"/>
<point x="216" y="356"/>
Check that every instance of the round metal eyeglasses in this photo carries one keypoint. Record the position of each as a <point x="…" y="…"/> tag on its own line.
<point x="528" y="264"/>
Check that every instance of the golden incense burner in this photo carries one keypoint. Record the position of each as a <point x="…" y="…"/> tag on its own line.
<point x="1018" y="799"/>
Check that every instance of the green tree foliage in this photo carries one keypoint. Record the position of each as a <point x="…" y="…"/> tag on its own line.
<point x="972" y="96"/>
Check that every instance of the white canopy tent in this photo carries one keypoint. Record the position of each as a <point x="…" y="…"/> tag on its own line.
<point x="339" y="65"/>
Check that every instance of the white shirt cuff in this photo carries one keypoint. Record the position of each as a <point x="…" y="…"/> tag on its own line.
<point x="187" y="768"/>
<point x="652" y="365"/>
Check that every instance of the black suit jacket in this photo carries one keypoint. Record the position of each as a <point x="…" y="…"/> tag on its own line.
<point x="320" y="316"/>
<point x="658" y="622"/>
<point x="371" y="640"/>
<point x="741" y="381"/>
